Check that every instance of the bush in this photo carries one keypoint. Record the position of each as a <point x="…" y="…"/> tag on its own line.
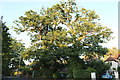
<point x="83" y="73"/>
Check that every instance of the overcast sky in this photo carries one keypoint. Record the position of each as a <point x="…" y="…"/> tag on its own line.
<point x="106" y="9"/>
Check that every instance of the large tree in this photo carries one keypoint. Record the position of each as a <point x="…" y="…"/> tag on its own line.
<point x="61" y="34"/>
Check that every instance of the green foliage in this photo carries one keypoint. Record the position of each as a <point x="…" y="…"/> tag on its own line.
<point x="99" y="66"/>
<point x="16" y="60"/>
<point x="6" y="49"/>
<point x="61" y="34"/>
<point x="86" y="74"/>
<point x="74" y="64"/>
<point x="10" y="52"/>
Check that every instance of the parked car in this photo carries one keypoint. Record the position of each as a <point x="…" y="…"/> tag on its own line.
<point x="107" y="76"/>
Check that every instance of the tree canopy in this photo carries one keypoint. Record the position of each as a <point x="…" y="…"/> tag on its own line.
<point x="61" y="34"/>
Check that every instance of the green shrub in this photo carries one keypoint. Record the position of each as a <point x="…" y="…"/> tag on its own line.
<point x="83" y="73"/>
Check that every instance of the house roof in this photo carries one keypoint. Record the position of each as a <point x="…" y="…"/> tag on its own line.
<point x="111" y="59"/>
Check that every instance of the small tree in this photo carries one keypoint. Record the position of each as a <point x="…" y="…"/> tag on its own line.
<point x="6" y="50"/>
<point x="11" y="49"/>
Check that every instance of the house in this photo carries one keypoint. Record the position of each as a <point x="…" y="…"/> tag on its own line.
<point x="113" y="62"/>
